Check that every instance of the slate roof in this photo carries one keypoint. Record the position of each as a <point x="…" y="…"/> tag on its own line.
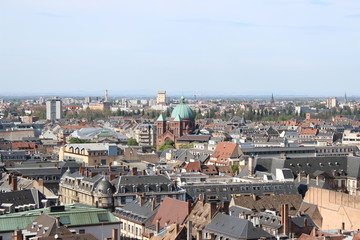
<point x="22" y="197"/>
<point x="134" y="212"/>
<point x="235" y="227"/>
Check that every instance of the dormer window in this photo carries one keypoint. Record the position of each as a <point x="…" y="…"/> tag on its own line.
<point x="158" y="188"/>
<point x="134" y="188"/>
<point x="146" y="188"/>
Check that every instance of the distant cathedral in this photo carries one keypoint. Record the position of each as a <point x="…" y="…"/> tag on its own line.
<point x="182" y="122"/>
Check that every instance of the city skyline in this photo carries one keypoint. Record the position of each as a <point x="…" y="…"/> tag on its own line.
<point x="287" y="47"/>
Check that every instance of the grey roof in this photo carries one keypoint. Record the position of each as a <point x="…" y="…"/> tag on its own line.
<point x="105" y="187"/>
<point x="133" y="211"/>
<point x="235" y="227"/>
<point x="22" y="197"/>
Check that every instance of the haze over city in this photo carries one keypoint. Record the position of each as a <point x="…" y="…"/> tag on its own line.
<point x="288" y="47"/>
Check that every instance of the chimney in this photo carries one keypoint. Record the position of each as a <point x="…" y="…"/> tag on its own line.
<point x="112" y="176"/>
<point x="308" y="179"/>
<point x="143" y="172"/>
<point x="110" y="167"/>
<point x="251" y="166"/>
<point x="41" y="182"/>
<point x="81" y="171"/>
<point x="157" y="228"/>
<point x="10" y="179"/>
<point x="176" y="229"/>
<point x="212" y="236"/>
<point x="141" y="199"/>
<point x="18" y="235"/>
<point x="14" y="183"/>
<point x="93" y="174"/>
<point x="225" y="207"/>
<point x="317" y="180"/>
<point x="285" y="219"/>
<point x="189" y="230"/>
<point x="87" y="172"/>
<point x="114" y="234"/>
<point x="188" y="207"/>
<point x="134" y="171"/>
<point x="199" y="235"/>
<point x="153" y="204"/>
<point x="254" y="197"/>
<point x="57" y="222"/>
<point x="342" y="226"/>
<point x="212" y="210"/>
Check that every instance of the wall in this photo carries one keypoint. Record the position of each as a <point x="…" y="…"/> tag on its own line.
<point x="345" y="207"/>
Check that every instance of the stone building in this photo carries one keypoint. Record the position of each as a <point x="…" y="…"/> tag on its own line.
<point x="182" y="122"/>
<point x="109" y="191"/>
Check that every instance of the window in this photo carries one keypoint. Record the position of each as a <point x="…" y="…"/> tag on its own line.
<point x="103" y="217"/>
<point x="65" y="220"/>
<point x="81" y="231"/>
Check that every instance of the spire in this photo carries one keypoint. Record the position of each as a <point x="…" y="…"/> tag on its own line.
<point x="161" y="118"/>
<point x="272" y="99"/>
<point x="177" y="118"/>
<point x="346" y="99"/>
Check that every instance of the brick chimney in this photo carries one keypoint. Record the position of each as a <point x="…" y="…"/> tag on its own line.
<point x="9" y="179"/>
<point x="18" y="235"/>
<point x="14" y="183"/>
<point x="251" y="166"/>
<point x="114" y="234"/>
<point x="285" y="219"/>
<point x="110" y="167"/>
<point x="87" y="172"/>
<point x="212" y="210"/>
<point x="225" y="207"/>
<point x="153" y="204"/>
<point x="141" y="199"/>
<point x="112" y="176"/>
<point x="134" y="171"/>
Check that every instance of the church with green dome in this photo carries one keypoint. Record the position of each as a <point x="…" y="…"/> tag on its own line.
<point x="181" y="122"/>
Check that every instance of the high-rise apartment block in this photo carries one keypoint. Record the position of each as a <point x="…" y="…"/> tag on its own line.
<point x="53" y="109"/>
<point x="161" y="97"/>
<point x="331" y="102"/>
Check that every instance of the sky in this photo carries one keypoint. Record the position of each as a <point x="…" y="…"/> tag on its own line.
<point x="235" y="47"/>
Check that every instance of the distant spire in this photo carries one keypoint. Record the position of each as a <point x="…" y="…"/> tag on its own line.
<point x="272" y="99"/>
<point x="346" y="99"/>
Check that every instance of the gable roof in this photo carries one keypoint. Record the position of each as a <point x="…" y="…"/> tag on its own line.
<point x="235" y="227"/>
<point x="171" y="211"/>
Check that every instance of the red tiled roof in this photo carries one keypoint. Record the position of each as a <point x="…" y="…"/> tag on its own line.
<point x="224" y="150"/>
<point x="309" y="131"/>
<point x="171" y="211"/>
<point x="193" y="167"/>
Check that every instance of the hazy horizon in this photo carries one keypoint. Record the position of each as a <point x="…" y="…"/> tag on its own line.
<point x="233" y="47"/>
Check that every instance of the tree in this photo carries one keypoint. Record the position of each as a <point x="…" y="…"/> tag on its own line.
<point x="235" y="168"/>
<point x="132" y="142"/>
<point x="167" y="145"/>
<point x="77" y="140"/>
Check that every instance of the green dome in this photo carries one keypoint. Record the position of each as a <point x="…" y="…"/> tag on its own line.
<point x="183" y="110"/>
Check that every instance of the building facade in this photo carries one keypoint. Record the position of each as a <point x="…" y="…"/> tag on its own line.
<point x="182" y="122"/>
<point x="53" y="109"/>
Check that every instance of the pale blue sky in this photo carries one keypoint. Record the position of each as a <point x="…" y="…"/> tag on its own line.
<point x="240" y="47"/>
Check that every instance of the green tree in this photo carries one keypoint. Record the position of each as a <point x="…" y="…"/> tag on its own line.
<point x="167" y="145"/>
<point x="132" y="142"/>
<point x="77" y="140"/>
